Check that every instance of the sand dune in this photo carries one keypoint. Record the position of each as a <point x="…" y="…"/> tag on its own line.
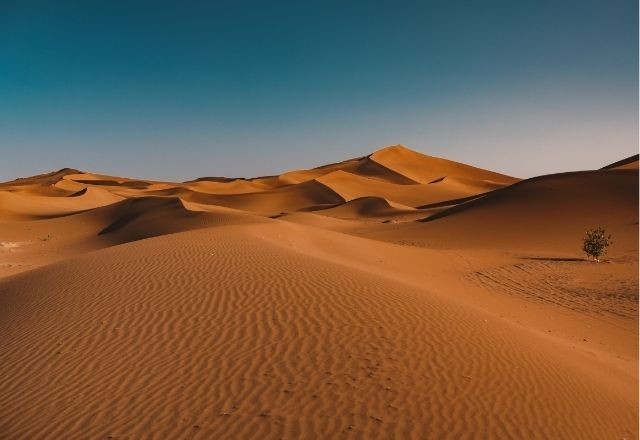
<point x="365" y="207"/>
<point x="426" y="169"/>
<point x="548" y="213"/>
<point x="41" y="180"/>
<point x="361" y="166"/>
<point x="283" y="343"/>
<point x="286" y="198"/>
<point x="372" y="175"/>
<point x="394" y="295"/>
<point x="380" y="174"/>
<point x="144" y="217"/>
<point x="630" y="163"/>
<point x="351" y="187"/>
<point x="236" y="186"/>
<point x="16" y="205"/>
<point x="364" y="167"/>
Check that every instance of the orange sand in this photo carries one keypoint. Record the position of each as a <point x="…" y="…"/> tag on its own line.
<point x="391" y="296"/>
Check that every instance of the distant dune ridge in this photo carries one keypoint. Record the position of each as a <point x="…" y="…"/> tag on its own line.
<point x="395" y="295"/>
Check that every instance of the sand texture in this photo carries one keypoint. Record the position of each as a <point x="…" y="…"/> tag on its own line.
<point x="395" y="295"/>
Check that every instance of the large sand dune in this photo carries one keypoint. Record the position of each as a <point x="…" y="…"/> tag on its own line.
<point x="391" y="296"/>
<point x="548" y="213"/>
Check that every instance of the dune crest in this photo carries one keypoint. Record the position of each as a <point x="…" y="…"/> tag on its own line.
<point x="630" y="163"/>
<point x="424" y="169"/>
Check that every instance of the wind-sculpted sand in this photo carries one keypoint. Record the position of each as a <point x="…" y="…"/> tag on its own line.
<point x="295" y="306"/>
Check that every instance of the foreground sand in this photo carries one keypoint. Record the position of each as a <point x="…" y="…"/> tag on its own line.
<point x="297" y="306"/>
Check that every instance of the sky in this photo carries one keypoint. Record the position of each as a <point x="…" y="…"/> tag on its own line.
<point x="173" y="90"/>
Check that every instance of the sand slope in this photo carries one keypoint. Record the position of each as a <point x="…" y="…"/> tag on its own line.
<point x="425" y="169"/>
<point x="222" y="333"/>
<point x="367" y="207"/>
<point x="21" y="205"/>
<point x="547" y="214"/>
<point x="394" y="295"/>
<point x="351" y="187"/>
<point x="630" y="163"/>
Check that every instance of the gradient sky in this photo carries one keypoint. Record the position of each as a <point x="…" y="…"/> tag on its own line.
<point x="181" y="89"/>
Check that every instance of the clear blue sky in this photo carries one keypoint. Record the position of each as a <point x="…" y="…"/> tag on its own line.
<point x="181" y="89"/>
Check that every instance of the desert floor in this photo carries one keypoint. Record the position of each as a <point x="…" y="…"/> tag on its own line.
<point x="395" y="295"/>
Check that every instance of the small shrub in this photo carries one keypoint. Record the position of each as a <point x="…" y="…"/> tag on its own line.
<point x="596" y="242"/>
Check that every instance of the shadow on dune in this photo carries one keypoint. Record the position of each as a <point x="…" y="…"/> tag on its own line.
<point x="446" y="203"/>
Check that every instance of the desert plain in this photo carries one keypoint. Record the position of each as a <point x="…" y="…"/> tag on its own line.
<point x="395" y="295"/>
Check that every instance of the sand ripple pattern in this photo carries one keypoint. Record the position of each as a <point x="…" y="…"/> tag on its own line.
<point x="560" y="283"/>
<point x="218" y="334"/>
